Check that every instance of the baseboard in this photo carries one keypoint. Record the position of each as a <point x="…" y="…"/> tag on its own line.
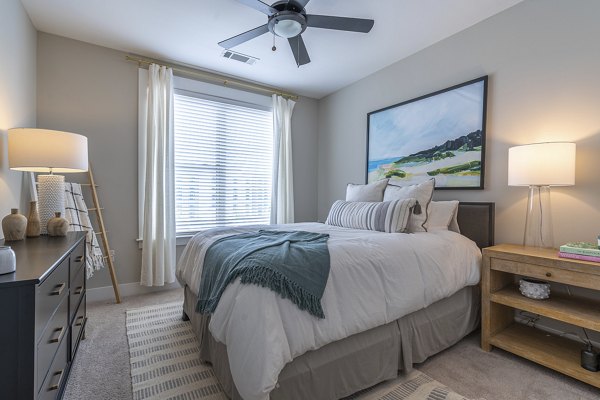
<point x="105" y="293"/>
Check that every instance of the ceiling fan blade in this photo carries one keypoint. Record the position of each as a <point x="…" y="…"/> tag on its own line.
<point x="259" y="6"/>
<point x="299" y="50"/>
<point x="301" y="3"/>
<point x="340" y="23"/>
<point x="244" y="37"/>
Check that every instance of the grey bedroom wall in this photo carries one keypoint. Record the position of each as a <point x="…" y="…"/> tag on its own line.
<point x="92" y="90"/>
<point x="542" y="59"/>
<point x="17" y="94"/>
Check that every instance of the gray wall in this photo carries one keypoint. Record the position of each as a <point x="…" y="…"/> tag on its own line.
<point x="93" y="90"/>
<point x="17" y="94"/>
<point x="305" y="158"/>
<point x="543" y="61"/>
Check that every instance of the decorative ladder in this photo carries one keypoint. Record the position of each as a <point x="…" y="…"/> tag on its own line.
<point x="103" y="233"/>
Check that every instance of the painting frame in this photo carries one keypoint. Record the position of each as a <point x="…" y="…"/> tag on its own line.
<point x="471" y="171"/>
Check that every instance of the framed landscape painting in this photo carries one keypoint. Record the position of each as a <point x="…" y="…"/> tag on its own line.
<point x="439" y="135"/>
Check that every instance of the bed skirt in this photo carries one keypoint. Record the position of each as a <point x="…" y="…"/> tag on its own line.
<point x="357" y="362"/>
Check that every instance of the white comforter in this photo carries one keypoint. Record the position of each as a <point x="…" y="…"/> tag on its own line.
<point x="374" y="279"/>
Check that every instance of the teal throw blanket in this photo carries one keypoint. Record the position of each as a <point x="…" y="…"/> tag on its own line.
<point x="293" y="264"/>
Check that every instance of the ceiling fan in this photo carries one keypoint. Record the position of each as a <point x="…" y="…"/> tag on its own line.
<point x="288" y="19"/>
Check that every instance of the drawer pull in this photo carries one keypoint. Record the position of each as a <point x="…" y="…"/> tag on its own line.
<point x="58" y="290"/>
<point x="58" y="381"/>
<point x="79" y="290"/>
<point x="79" y="259"/>
<point x="548" y="274"/>
<point x="80" y="321"/>
<point x="61" y="332"/>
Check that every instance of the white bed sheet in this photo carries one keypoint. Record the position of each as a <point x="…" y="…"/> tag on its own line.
<point x="375" y="278"/>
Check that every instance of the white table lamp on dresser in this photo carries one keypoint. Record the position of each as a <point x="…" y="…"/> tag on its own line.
<point x="47" y="151"/>
<point x="539" y="166"/>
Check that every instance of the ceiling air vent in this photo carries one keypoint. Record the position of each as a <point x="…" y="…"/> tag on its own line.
<point x="232" y="55"/>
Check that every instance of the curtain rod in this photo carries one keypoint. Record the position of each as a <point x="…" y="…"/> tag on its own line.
<point x="223" y="80"/>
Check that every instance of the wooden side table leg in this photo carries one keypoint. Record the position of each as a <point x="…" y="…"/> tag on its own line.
<point x="494" y="317"/>
<point x="485" y="305"/>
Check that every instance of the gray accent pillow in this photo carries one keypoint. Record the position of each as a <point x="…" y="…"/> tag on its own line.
<point x="369" y="192"/>
<point x="422" y="192"/>
<point x="387" y="216"/>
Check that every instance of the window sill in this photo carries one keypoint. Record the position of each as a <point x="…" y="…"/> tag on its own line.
<point x="180" y="241"/>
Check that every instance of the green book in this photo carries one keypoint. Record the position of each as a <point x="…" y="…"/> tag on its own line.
<point x="583" y="248"/>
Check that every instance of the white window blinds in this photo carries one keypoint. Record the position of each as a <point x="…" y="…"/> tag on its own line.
<point x="223" y="163"/>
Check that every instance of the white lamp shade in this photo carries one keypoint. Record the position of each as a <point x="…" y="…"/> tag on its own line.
<point x="43" y="150"/>
<point x="542" y="164"/>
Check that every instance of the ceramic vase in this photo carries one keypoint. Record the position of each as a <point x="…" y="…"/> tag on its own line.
<point x="57" y="226"/>
<point x="14" y="225"/>
<point x="33" y="221"/>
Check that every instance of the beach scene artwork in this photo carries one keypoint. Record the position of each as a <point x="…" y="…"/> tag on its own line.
<point x="439" y="136"/>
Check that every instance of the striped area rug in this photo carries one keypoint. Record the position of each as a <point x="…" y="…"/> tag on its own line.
<point x="164" y="356"/>
<point x="414" y="386"/>
<point x="165" y="364"/>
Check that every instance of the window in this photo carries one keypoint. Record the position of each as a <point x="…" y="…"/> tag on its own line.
<point x="223" y="162"/>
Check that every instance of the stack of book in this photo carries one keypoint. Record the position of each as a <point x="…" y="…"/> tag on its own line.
<point x="580" y="251"/>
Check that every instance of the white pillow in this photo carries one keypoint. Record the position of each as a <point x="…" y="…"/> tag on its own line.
<point x="422" y="192"/>
<point x="454" y="223"/>
<point x="387" y="216"/>
<point x="369" y="192"/>
<point x="441" y="214"/>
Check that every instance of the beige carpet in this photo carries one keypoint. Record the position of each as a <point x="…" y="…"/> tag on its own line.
<point x="101" y="369"/>
<point x="164" y="356"/>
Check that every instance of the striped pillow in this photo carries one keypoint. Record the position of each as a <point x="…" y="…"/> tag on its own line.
<point x="388" y="216"/>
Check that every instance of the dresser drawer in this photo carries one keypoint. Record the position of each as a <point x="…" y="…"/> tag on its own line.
<point x="56" y="332"/>
<point x="547" y="273"/>
<point x="49" y="294"/>
<point x="77" y="326"/>
<point x="57" y="374"/>
<point x="77" y="292"/>
<point x="77" y="260"/>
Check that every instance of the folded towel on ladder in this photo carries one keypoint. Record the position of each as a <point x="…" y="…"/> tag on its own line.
<point x="79" y="220"/>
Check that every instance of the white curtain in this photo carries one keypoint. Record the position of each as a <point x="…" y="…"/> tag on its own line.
<point x="158" y="230"/>
<point x="282" y="203"/>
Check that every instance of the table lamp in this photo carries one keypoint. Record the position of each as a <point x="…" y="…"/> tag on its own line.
<point x="539" y="166"/>
<point x="47" y="151"/>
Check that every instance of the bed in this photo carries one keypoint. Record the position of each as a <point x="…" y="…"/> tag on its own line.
<point x="260" y="347"/>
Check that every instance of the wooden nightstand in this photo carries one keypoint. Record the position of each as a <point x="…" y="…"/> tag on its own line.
<point x="502" y="266"/>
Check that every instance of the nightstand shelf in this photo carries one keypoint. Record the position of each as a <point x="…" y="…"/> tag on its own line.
<point x="571" y="310"/>
<point x="551" y="351"/>
<point x="503" y="265"/>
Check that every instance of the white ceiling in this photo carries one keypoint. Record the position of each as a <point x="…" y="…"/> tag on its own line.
<point x="187" y="31"/>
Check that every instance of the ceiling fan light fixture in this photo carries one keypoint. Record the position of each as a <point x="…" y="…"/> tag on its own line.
<point x="287" y="28"/>
<point x="288" y="19"/>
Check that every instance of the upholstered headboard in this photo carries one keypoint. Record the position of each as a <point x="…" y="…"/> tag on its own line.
<point x="476" y="221"/>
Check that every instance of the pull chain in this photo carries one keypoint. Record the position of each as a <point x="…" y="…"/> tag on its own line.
<point x="274" y="47"/>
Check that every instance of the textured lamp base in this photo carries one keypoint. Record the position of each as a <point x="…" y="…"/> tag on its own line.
<point x="51" y="198"/>
<point x="538" y="224"/>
